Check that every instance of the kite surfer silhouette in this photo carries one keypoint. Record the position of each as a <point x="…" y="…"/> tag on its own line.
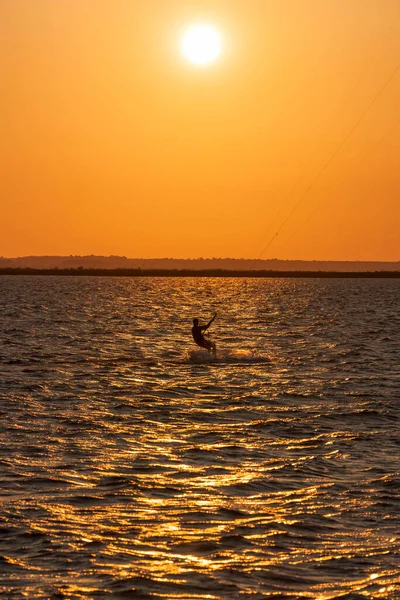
<point x="197" y="333"/>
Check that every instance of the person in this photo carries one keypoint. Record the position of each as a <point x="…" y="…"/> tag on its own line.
<point x="197" y="332"/>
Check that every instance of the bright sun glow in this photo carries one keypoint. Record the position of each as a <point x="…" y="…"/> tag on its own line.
<point x="201" y="44"/>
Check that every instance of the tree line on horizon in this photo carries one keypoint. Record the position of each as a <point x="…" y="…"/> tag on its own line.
<point x="235" y="264"/>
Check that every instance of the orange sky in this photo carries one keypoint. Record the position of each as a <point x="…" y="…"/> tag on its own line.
<point x="113" y="144"/>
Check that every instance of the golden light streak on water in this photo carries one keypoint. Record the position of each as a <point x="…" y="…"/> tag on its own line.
<point x="130" y="469"/>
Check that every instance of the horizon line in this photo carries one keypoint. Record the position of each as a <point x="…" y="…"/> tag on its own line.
<point x="214" y="258"/>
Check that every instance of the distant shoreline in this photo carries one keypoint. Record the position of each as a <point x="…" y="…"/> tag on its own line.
<point x="82" y="272"/>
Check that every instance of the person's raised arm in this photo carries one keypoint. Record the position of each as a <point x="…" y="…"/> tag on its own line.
<point x="209" y="323"/>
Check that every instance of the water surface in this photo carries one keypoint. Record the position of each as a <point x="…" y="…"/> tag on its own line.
<point x="133" y="467"/>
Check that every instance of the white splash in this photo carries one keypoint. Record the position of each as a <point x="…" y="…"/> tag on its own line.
<point x="201" y="356"/>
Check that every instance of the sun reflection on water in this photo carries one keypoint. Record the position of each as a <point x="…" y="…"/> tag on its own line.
<point x="134" y="471"/>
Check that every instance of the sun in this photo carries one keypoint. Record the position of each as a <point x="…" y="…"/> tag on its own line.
<point x="201" y="44"/>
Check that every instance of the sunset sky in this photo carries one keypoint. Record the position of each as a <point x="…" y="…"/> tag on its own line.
<point x="114" y="143"/>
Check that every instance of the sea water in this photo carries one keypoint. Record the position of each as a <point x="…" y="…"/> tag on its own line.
<point x="135" y="465"/>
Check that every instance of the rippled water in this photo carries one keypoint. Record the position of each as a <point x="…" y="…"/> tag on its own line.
<point x="133" y="467"/>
